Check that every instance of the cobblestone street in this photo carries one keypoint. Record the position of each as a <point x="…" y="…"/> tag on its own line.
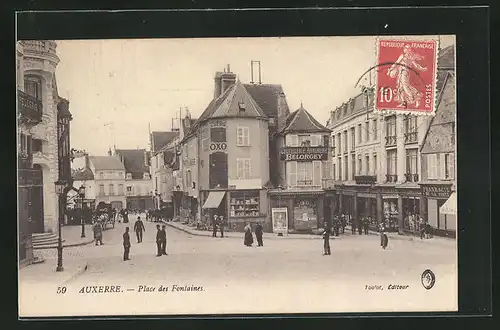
<point x="285" y="275"/>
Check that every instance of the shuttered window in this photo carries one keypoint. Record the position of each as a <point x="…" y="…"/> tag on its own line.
<point x="243" y="168"/>
<point x="291" y="173"/>
<point x="242" y="136"/>
<point x="317" y="173"/>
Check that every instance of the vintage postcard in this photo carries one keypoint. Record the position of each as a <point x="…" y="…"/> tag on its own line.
<point x="237" y="175"/>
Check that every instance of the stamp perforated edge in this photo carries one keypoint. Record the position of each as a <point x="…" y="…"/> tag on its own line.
<point x="386" y="112"/>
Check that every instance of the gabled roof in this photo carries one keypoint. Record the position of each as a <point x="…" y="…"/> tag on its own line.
<point x="82" y="175"/>
<point x="160" y="139"/>
<point x="106" y="163"/>
<point x="301" y="121"/>
<point x="227" y="105"/>
<point x="133" y="160"/>
<point x="266" y="96"/>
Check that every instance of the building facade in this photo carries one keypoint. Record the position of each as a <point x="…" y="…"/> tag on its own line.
<point x="138" y="184"/>
<point x="43" y="141"/>
<point x="188" y="168"/>
<point x="109" y="176"/>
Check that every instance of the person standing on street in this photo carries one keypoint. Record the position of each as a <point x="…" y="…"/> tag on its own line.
<point x="214" y="226"/>
<point x="125" y="216"/>
<point x="366" y="222"/>
<point x="126" y="245"/>
<point x="158" y="241"/>
<point x="221" y="225"/>
<point x="139" y="228"/>
<point x="353" y="226"/>
<point x="258" y="234"/>
<point x="163" y="240"/>
<point x="98" y="233"/>
<point x="248" y="241"/>
<point x="342" y="220"/>
<point x="384" y="240"/>
<point x="326" y="239"/>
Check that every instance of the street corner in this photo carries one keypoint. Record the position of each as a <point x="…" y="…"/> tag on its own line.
<point x="46" y="272"/>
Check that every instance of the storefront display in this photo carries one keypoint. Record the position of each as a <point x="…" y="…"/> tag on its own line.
<point x="391" y="213"/>
<point x="244" y="204"/>
<point x="411" y="214"/>
<point x="304" y="213"/>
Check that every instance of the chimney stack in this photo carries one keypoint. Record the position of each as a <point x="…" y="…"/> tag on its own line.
<point x="223" y="80"/>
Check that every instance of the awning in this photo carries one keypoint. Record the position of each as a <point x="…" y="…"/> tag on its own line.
<point x="214" y="199"/>
<point x="450" y="206"/>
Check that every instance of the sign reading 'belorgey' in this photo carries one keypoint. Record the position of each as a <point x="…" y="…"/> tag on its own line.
<point x="304" y="154"/>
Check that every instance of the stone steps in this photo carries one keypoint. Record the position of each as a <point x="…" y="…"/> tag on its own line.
<point x="44" y="240"/>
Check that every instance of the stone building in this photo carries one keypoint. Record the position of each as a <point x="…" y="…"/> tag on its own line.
<point x="109" y="176"/>
<point x="43" y="142"/>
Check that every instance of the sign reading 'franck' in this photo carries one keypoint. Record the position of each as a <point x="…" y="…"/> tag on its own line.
<point x="436" y="191"/>
<point x="304" y="153"/>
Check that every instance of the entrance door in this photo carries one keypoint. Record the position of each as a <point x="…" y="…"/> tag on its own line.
<point x="35" y="204"/>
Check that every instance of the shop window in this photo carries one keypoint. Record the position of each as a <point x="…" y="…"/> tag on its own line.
<point x="218" y="134"/>
<point x="242" y="136"/>
<point x="243" y="168"/>
<point x="244" y="204"/>
<point x="432" y="166"/>
<point x="304" y="174"/>
<point x="411" y="214"/>
<point x="305" y="214"/>
<point x="391" y="214"/>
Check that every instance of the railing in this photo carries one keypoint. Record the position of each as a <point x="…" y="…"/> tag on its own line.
<point x="29" y="107"/>
<point x="390" y="140"/>
<point x="411" y="137"/>
<point x="302" y="183"/>
<point x="410" y="177"/>
<point x="327" y="183"/>
<point x="391" y="178"/>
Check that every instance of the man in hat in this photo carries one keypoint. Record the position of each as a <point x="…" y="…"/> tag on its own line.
<point x="326" y="239"/>
<point x="163" y="240"/>
<point x="126" y="245"/>
<point x="214" y="226"/>
<point x="139" y="228"/>
<point x="158" y="241"/>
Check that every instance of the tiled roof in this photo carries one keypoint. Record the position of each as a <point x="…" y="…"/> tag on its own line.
<point x="227" y="104"/>
<point x="83" y="175"/>
<point x="266" y="97"/>
<point x="133" y="160"/>
<point x="106" y="163"/>
<point x="446" y="58"/>
<point x="160" y="139"/>
<point x="302" y="121"/>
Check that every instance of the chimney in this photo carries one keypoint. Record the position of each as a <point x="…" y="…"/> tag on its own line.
<point x="109" y="152"/>
<point x="223" y="80"/>
<point x="87" y="161"/>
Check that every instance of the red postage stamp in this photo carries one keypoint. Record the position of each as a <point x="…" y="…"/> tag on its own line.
<point x="406" y="76"/>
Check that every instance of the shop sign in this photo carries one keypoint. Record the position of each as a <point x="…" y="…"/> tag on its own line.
<point x="365" y="179"/>
<point x="436" y="191"/>
<point x="304" y="154"/>
<point x="218" y="146"/>
<point x="280" y="219"/>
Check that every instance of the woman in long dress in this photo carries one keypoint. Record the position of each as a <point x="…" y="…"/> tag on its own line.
<point x="248" y="235"/>
<point x="406" y="94"/>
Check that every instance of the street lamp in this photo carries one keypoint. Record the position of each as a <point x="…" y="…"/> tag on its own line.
<point x="60" y="186"/>
<point x="81" y="193"/>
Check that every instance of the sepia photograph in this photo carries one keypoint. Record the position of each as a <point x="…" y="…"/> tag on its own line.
<point x="195" y="176"/>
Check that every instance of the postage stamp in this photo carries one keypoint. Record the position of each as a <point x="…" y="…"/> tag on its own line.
<point x="406" y="76"/>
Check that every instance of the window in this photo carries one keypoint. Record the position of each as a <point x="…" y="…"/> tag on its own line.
<point x="244" y="203"/>
<point x="111" y="189"/>
<point x="410" y="124"/>
<point x="390" y="125"/>
<point x="33" y="86"/>
<point x="146" y="176"/>
<point x="242" y="136"/>
<point x="317" y="172"/>
<point x="367" y="165"/>
<point x="345" y="141"/>
<point x="449" y="166"/>
<point x="346" y="173"/>
<point x="243" y="168"/>
<point x="120" y="189"/>
<point x="334" y="174"/>
<point x="360" y="165"/>
<point x="353" y="139"/>
<point x="101" y="175"/>
<point x="304" y="140"/>
<point x="291" y="174"/>
<point x="360" y="133"/>
<point x="129" y="189"/>
<point x="375" y="164"/>
<point x="120" y="173"/>
<point x="304" y="173"/>
<point x="37" y="145"/>
<point x="101" y="190"/>
<point x="218" y="134"/>
<point x="327" y="170"/>
<point x="375" y="129"/>
<point x="411" y="161"/>
<point x="340" y="168"/>
<point x="391" y="162"/>
<point x="432" y="166"/>
<point x="367" y="131"/>
<point x="129" y="176"/>
<point x="292" y="140"/>
<point x="339" y="143"/>
<point x="353" y="166"/>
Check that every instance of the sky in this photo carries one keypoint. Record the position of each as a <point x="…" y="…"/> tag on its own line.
<point x="117" y="89"/>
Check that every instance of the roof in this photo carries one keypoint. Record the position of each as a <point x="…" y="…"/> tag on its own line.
<point x="446" y="58"/>
<point x="266" y="97"/>
<point x="133" y="160"/>
<point x="82" y="175"/>
<point x="160" y="139"/>
<point x="227" y="105"/>
<point x="302" y="121"/>
<point x="106" y="163"/>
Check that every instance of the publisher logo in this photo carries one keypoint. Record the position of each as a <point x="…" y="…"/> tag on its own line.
<point x="428" y="279"/>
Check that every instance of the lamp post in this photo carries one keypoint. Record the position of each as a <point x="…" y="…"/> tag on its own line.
<point x="81" y="193"/>
<point x="60" y="186"/>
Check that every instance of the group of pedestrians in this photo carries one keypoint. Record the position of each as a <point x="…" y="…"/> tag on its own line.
<point x="161" y="239"/>
<point x="248" y="238"/>
<point x="218" y="223"/>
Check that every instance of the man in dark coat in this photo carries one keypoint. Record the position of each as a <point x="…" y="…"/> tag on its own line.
<point x="360" y="225"/>
<point x="163" y="240"/>
<point x="353" y="226"/>
<point x="258" y="234"/>
<point x="125" y="216"/>
<point x="126" y="245"/>
<point x="158" y="241"/>
<point x="214" y="226"/>
<point x="326" y="239"/>
<point x="221" y="225"/>
<point x="343" y="223"/>
<point x="139" y="228"/>
<point x="366" y="224"/>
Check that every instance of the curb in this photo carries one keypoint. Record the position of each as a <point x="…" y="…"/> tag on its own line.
<point x="79" y="272"/>
<point x="64" y="246"/>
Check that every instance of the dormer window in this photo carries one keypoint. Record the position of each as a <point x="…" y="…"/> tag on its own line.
<point x="146" y="176"/>
<point x="129" y="176"/>
<point x="242" y="106"/>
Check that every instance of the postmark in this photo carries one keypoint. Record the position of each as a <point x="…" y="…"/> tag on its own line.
<point x="406" y="76"/>
<point x="428" y="279"/>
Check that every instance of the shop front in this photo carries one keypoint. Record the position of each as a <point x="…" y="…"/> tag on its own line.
<point x="304" y="210"/>
<point x="440" y="204"/>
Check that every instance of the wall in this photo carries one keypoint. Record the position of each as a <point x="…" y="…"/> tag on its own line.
<point x="139" y="187"/>
<point x="190" y="163"/>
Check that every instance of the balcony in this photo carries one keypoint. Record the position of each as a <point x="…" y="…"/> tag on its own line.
<point x="41" y="49"/>
<point x="390" y="140"/>
<point x="328" y="183"/>
<point x="411" y="137"/>
<point x="391" y="178"/>
<point x="30" y="108"/>
<point x="24" y="160"/>
<point x="410" y="177"/>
